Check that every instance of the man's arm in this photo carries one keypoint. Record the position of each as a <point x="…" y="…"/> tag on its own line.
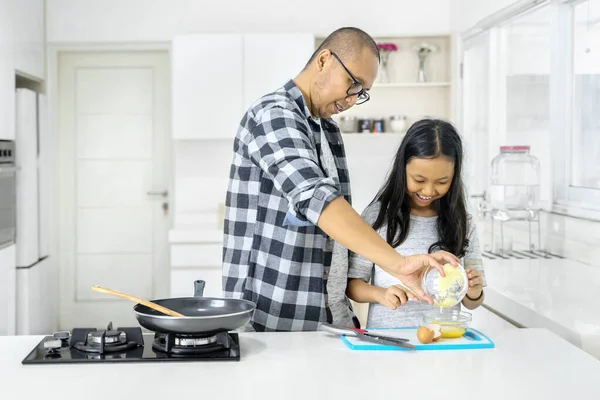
<point x="344" y="225"/>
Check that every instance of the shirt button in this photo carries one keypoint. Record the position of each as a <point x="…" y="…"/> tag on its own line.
<point x="326" y="272"/>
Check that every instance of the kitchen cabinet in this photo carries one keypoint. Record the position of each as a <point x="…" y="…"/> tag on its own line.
<point x="7" y="78"/>
<point x="216" y="77"/>
<point x="8" y="290"/>
<point x="28" y="37"/>
<point x="190" y="262"/>
<point x="36" y="299"/>
<point x="207" y="72"/>
<point x="7" y="99"/>
<point x="270" y="60"/>
<point x="22" y="44"/>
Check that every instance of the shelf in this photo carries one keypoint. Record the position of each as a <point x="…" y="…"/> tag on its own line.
<point x="411" y="85"/>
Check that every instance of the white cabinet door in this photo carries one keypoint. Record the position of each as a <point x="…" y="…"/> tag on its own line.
<point x="28" y="37"/>
<point x="182" y="281"/>
<point x="207" y="72"/>
<point x="8" y="290"/>
<point x="7" y="75"/>
<point x="270" y="60"/>
<point x="7" y="98"/>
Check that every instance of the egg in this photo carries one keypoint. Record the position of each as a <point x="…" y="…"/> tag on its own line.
<point x="436" y="329"/>
<point x="425" y="335"/>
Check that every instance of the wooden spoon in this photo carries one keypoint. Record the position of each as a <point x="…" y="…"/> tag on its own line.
<point x="146" y="303"/>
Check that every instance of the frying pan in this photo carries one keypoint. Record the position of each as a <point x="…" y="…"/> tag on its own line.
<point x="202" y="315"/>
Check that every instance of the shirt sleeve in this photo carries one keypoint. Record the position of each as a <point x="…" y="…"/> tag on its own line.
<point x="473" y="255"/>
<point x="358" y="266"/>
<point x="281" y="145"/>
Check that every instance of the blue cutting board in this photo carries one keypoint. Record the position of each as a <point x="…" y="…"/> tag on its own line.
<point x="472" y="339"/>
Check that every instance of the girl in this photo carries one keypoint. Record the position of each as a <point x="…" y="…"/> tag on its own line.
<point x="420" y="209"/>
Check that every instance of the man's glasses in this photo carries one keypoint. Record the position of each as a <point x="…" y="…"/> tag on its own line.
<point x="356" y="89"/>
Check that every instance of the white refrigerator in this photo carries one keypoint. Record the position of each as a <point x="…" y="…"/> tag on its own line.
<point x="36" y="312"/>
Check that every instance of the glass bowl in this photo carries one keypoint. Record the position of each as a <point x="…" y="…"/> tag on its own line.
<point x="454" y="323"/>
<point x="446" y="291"/>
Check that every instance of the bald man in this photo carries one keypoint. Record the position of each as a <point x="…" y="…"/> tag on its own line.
<point x="288" y="198"/>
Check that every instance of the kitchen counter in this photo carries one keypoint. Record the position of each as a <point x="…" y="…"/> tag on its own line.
<point x="526" y="364"/>
<point x="556" y="294"/>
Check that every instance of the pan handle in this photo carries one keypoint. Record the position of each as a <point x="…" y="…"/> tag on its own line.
<point x="199" y="288"/>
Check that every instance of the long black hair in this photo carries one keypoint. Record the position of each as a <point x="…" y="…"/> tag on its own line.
<point x="427" y="138"/>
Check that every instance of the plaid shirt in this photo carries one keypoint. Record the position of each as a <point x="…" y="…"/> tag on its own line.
<point x="273" y="253"/>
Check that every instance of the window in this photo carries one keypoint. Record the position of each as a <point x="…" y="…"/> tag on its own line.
<point x="543" y="91"/>
<point x="525" y="88"/>
<point x="585" y="141"/>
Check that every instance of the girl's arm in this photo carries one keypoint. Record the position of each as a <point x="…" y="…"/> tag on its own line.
<point x="363" y="292"/>
<point x="473" y="264"/>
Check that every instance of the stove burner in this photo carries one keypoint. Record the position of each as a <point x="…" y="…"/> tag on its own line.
<point x="110" y="337"/>
<point x="191" y="345"/>
<point x="106" y="341"/>
<point x="194" y="341"/>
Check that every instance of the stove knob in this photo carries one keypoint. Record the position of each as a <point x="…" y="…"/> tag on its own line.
<point x="62" y="335"/>
<point x="53" y="344"/>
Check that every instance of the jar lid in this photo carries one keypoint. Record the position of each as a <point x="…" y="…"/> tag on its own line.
<point x="515" y="148"/>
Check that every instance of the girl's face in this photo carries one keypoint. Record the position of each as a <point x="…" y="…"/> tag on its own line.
<point x="428" y="179"/>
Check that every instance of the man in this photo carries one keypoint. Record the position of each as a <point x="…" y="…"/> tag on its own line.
<point x="289" y="193"/>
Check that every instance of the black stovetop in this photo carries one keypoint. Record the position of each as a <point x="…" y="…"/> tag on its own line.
<point x="89" y="345"/>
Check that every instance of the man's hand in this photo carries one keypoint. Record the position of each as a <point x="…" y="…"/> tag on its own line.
<point x="411" y="273"/>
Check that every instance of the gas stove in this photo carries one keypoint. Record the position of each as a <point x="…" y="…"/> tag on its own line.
<point x="90" y="345"/>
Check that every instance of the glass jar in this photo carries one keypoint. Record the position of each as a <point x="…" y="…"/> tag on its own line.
<point x="514" y="184"/>
<point x="398" y="123"/>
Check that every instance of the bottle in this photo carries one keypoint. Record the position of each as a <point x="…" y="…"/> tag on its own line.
<point x="515" y="184"/>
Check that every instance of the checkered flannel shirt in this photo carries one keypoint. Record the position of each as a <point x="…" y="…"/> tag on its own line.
<point x="273" y="253"/>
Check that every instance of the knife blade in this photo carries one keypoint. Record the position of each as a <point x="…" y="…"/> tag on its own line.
<point x="386" y="342"/>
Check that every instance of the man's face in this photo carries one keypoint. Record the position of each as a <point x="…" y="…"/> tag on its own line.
<point x="329" y="93"/>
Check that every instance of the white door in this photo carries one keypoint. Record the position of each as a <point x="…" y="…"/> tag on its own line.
<point x="114" y="150"/>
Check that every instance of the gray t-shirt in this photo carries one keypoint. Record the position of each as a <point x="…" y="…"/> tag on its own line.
<point x="422" y="234"/>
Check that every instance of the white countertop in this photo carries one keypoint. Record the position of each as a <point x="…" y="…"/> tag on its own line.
<point x="526" y="364"/>
<point x="560" y="295"/>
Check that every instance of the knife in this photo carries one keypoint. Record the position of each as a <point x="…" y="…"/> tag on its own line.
<point x="367" y="337"/>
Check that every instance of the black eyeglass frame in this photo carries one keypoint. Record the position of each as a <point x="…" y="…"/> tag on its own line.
<point x="362" y="96"/>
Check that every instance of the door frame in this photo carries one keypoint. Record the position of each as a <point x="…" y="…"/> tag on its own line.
<point x="51" y="88"/>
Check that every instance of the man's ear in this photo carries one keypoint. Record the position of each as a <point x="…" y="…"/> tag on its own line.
<point x="322" y="59"/>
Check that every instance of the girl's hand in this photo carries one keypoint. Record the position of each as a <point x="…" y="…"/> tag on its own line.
<point x="394" y="296"/>
<point x="475" y="282"/>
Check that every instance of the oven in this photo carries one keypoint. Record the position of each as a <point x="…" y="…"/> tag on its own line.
<point x="8" y="199"/>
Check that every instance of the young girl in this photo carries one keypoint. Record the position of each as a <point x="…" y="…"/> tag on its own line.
<point x="420" y="209"/>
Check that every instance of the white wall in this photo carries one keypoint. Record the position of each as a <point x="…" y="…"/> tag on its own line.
<point x="464" y="14"/>
<point x="81" y="21"/>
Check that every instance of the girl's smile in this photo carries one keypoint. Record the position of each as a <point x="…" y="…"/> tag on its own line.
<point x="427" y="179"/>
